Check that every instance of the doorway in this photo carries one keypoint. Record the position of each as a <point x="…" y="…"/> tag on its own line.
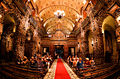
<point x="59" y="50"/>
<point x="109" y="39"/>
<point x="71" y="51"/>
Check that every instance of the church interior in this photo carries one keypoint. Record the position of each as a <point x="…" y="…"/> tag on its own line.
<point x="59" y="39"/>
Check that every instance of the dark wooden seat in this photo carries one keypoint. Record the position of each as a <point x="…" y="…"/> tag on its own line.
<point x="16" y="71"/>
<point x="97" y="72"/>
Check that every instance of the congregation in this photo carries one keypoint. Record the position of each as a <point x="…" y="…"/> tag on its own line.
<point x="36" y="61"/>
<point x="80" y="63"/>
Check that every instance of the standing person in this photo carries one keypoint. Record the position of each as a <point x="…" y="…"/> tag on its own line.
<point x="80" y="64"/>
<point x="68" y="59"/>
<point x="72" y="59"/>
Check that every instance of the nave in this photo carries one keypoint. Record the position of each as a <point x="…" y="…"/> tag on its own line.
<point x="48" y="38"/>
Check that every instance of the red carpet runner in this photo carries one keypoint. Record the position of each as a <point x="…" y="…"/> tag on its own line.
<point x="61" y="72"/>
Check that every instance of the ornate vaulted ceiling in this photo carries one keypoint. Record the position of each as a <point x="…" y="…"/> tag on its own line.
<point x="51" y="22"/>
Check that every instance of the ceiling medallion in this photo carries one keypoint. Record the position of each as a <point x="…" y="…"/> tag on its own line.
<point x="59" y="14"/>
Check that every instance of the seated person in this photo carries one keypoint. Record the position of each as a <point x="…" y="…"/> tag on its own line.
<point x="49" y="59"/>
<point x="33" y="62"/>
<point x="74" y="62"/>
<point x="80" y="64"/>
<point x="25" y="61"/>
<point x="40" y="63"/>
<point x="92" y="62"/>
<point x="44" y="62"/>
<point x="68" y="59"/>
<point x="19" y="60"/>
<point x="72" y="59"/>
<point x="39" y="56"/>
<point x="76" y="58"/>
<point x="87" y="62"/>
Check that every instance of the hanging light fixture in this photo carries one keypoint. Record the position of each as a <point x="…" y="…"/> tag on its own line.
<point x="59" y="13"/>
<point x="84" y="2"/>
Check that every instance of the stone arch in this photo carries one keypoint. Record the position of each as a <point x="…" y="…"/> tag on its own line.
<point x="10" y="23"/>
<point x="10" y="18"/>
<point x="109" y="38"/>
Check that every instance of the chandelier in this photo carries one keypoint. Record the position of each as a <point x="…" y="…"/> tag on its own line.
<point x="59" y="14"/>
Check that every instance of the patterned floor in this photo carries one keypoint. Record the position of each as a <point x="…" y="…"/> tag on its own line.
<point x="51" y="72"/>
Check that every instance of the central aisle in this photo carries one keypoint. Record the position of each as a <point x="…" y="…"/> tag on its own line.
<point x="61" y="72"/>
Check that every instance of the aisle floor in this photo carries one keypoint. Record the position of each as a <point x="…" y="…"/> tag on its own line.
<point x="52" y="71"/>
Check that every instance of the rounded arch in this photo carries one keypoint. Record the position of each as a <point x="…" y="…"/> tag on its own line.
<point x="108" y="23"/>
<point x="10" y="24"/>
<point x="109" y="38"/>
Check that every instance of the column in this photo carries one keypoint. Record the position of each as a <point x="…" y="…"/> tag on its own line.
<point x="52" y="50"/>
<point x="99" y="51"/>
<point x="19" y="44"/>
<point x="84" y="45"/>
<point x="65" y="51"/>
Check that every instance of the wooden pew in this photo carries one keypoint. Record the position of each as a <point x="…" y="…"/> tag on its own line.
<point x="100" y="72"/>
<point x="8" y="75"/>
<point x="23" y="72"/>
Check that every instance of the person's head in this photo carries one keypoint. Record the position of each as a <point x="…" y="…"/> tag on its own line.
<point x="87" y="59"/>
<point x="75" y="55"/>
<point x="32" y="57"/>
<point x="72" y="56"/>
<point x="39" y="55"/>
<point x="24" y="57"/>
<point x="92" y="58"/>
<point x="80" y="59"/>
<point x="74" y="59"/>
<point x="32" y="61"/>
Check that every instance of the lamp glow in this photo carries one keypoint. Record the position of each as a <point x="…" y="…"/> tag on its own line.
<point x="0" y="16"/>
<point x="84" y="2"/>
<point x="118" y="20"/>
<point x="34" y="1"/>
<point x="92" y="42"/>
